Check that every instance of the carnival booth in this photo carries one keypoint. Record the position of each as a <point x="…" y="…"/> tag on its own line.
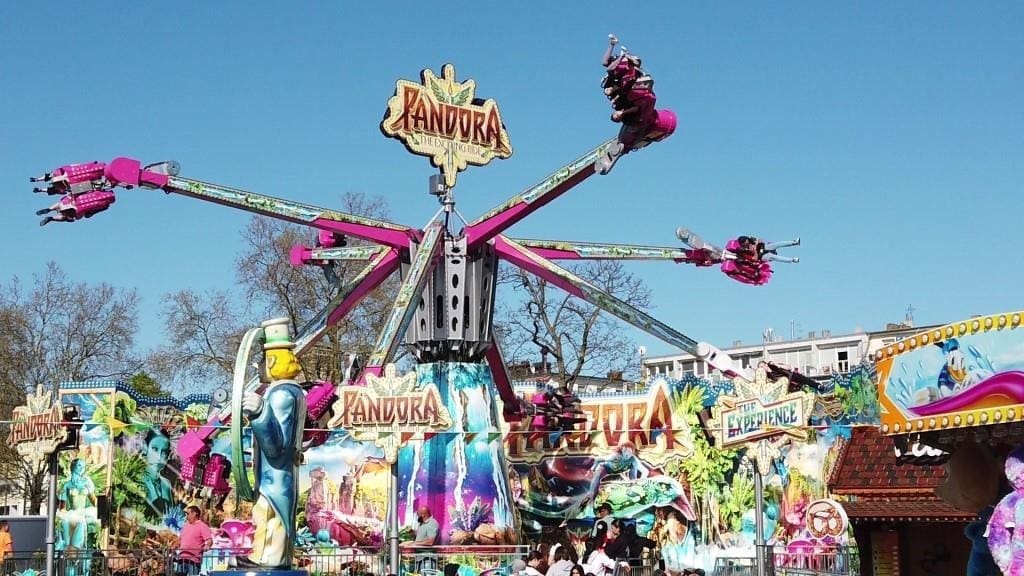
<point x="955" y="395"/>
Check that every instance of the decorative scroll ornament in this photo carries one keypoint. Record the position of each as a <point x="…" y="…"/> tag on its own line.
<point x="761" y="416"/>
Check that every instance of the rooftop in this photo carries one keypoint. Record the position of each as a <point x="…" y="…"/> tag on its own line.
<point x="884" y="489"/>
<point x="868" y="466"/>
<point x="915" y="509"/>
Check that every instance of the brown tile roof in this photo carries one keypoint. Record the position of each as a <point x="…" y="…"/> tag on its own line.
<point x="923" y="509"/>
<point x="868" y="466"/>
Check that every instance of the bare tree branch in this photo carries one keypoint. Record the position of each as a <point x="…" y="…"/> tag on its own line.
<point x="58" y="331"/>
<point x="205" y="329"/>
<point x="580" y="338"/>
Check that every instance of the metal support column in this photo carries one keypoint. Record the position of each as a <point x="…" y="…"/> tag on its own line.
<point x="759" y="544"/>
<point x="51" y="513"/>
<point x="393" y="550"/>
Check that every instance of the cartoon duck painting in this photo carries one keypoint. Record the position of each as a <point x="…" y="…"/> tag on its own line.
<point x="953" y="375"/>
<point x="958" y="373"/>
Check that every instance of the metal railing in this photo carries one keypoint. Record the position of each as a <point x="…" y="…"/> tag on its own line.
<point x="432" y="561"/>
<point x="646" y="566"/>
<point x="142" y="562"/>
<point x="484" y="560"/>
<point x="20" y="562"/>
<point x="837" y="561"/>
<point x="736" y="566"/>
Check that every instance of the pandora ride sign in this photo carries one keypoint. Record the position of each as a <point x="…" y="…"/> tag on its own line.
<point x="37" y="428"/>
<point x="390" y="410"/>
<point x="445" y="121"/>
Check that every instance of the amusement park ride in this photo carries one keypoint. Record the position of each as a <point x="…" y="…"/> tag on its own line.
<point x="445" y="305"/>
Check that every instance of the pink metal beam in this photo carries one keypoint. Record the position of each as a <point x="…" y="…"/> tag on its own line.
<point x="569" y="250"/>
<point x="524" y="258"/>
<point x="527" y="260"/>
<point x="502" y="382"/>
<point x="378" y="231"/>
<point x="522" y="205"/>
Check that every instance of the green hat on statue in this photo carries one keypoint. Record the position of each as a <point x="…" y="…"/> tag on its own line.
<point x="276" y="335"/>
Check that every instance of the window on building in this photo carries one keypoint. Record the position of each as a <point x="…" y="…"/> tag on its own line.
<point x="806" y="361"/>
<point x="843" y="364"/>
<point x="687" y="366"/>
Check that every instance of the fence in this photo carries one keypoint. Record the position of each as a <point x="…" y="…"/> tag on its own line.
<point x="435" y="561"/>
<point x="840" y="561"/>
<point x="20" y="562"/>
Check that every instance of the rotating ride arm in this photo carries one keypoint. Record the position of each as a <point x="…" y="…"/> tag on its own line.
<point x="566" y="250"/>
<point x="408" y="298"/>
<point x="530" y="200"/>
<point x="76" y="179"/>
<point x="745" y="259"/>
<point x="526" y="259"/>
<point x="512" y="408"/>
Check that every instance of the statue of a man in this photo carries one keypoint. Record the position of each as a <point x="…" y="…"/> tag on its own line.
<point x="277" y="418"/>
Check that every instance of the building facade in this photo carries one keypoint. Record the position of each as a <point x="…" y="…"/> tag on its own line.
<point x="818" y="355"/>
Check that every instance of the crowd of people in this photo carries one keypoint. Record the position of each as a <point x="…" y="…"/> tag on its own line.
<point x="613" y="549"/>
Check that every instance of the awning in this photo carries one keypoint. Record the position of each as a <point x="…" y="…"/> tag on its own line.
<point x="930" y="510"/>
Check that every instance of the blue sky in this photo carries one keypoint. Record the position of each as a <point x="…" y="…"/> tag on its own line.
<point x="889" y="136"/>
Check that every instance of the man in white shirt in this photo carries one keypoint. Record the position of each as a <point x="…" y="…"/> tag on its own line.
<point x="426" y="530"/>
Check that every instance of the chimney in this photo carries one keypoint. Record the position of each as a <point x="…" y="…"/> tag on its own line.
<point x="737" y="343"/>
<point x="826" y="333"/>
<point x="811" y="334"/>
<point x="615" y="375"/>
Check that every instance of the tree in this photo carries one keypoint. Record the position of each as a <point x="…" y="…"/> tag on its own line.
<point x="542" y="319"/>
<point x="144" y="384"/>
<point x="204" y="330"/>
<point x="56" y="331"/>
<point x="276" y="288"/>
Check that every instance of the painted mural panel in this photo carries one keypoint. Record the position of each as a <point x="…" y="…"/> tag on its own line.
<point x="84" y="477"/>
<point x="461" y="475"/>
<point x="130" y="448"/>
<point x="967" y="373"/>
<point x="128" y="460"/>
<point x="650" y="457"/>
<point x="343" y="493"/>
